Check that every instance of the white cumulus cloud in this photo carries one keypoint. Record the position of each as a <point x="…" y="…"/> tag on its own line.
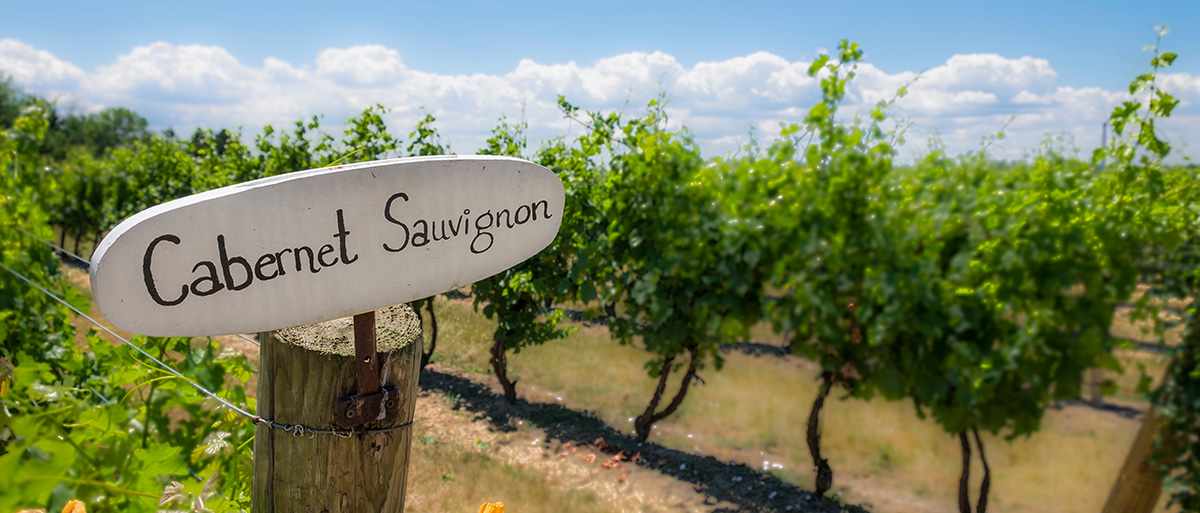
<point x="962" y="99"/>
<point x="371" y="65"/>
<point x="35" y="68"/>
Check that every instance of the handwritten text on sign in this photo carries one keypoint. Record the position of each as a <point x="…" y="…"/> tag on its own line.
<point x="317" y="245"/>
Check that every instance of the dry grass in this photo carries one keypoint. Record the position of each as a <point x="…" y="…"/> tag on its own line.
<point x="1142" y="330"/>
<point x="755" y="410"/>
<point x="1127" y="382"/>
<point x="445" y="477"/>
<point x="464" y="336"/>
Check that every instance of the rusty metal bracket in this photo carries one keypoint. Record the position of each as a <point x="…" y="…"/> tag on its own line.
<point x="355" y="410"/>
<point x="366" y="362"/>
<point x="373" y="402"/>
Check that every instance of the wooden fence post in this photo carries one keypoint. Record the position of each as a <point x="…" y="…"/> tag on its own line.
<point x="1095" y="380"/>
<point x="1138" y="486"/>
<point x="303" y="371"/>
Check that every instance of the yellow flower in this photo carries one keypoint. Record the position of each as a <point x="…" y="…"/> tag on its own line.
<point x="6" y="372"/>
<point x="492" y="507"/>
<point x="74" y="507"/>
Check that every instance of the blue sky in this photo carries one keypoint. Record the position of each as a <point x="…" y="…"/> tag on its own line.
<point x="725" y="67"/>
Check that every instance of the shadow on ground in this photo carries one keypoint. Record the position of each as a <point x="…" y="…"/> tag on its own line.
<point x="718" y="481"/>
<point x="1127" y="412"/>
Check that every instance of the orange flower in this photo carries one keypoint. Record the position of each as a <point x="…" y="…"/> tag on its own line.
<point x="74" y="507"/>
<point x="492" y="507"/>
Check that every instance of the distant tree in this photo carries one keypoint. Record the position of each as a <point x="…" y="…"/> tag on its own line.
<point x="12" y="100"/>
<point x="210" y="142"/>
<point x="110" y="128"/>
<point x="94" y="134"/>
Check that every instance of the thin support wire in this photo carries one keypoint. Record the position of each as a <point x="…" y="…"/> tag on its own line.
<point x="56" y="246"/>
<point x="294" y="429"/>
<point x="248" y="339"/>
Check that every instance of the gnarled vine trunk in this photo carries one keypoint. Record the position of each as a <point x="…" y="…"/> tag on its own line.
<point x="986" y="485"/>
<point x="426" y="356"/>
<point x="821" y="465"/>
<point x="499" y="362"/>
<point x="644" y="422"/>
<point x="964" y="491"/>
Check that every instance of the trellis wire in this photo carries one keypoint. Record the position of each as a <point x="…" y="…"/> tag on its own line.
<point x="248" y="339"/>
<point x="56" y="246"/>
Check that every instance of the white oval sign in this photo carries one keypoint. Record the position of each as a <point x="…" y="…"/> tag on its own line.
<point x="316" y="245"/>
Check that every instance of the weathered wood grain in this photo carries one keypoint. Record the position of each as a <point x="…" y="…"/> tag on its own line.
<point x="303" y="371"/>
<point x="1138" y="485"/>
